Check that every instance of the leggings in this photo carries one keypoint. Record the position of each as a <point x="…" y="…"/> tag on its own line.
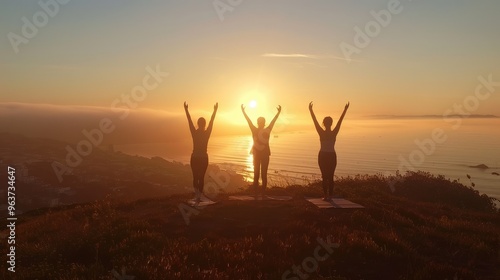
<point x="327" y="163"/>
<point x="260" y="162"/>
<point x="199" y="166"/>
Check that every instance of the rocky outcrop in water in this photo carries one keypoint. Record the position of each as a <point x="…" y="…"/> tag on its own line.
<point x="479" y="166"/>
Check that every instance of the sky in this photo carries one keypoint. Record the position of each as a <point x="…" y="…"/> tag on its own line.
<point x="424" y="58"/>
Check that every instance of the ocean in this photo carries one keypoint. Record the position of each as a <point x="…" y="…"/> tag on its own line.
<point x="365" y="146"/>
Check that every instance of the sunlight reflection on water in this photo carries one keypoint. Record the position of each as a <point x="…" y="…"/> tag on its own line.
<point x="370" y="147"/>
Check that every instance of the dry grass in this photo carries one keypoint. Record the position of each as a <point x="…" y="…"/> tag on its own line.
<point x="429" y="228"/>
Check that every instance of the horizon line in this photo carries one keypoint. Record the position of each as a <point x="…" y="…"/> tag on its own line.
<point x="489" y="116"/>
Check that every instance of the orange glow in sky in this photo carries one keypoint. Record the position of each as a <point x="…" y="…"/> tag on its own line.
<point x="261" y="54"/>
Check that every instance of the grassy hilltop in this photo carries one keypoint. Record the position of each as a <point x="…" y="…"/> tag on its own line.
<point x="428" y="228"/>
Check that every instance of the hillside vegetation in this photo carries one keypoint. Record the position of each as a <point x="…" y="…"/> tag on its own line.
<point x="426" y="228"/>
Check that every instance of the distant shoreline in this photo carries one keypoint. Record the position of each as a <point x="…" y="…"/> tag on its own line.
<point x="430" y="116"/>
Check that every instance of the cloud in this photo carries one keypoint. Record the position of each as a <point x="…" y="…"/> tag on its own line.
<point x="307" y="56"/>
<point x="292" y="55"/>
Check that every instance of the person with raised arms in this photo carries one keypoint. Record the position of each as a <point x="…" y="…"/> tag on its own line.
<point x="199" y="157"/>
<point x="327" y="157"/>
<point x="260" y="149"/>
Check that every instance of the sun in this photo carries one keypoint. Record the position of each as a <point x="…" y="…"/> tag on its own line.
<point x="252" y="104"/>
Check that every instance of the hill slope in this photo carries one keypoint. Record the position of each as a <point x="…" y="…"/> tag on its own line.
<point x="429" y="228"/>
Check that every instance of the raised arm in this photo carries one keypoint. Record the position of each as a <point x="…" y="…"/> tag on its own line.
<point x="315" y="121"/>
<point x="339" y="123"/>
<point x="271" y="125"/>
<point x="211" y="123"/>
<point x="250" y="124"/>
<point x="191" y="126"/>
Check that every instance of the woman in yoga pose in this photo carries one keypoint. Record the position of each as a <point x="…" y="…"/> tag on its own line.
<point x="199" y="157"/>
<point x="327" y="158"/>
<point x="260" y="149"/>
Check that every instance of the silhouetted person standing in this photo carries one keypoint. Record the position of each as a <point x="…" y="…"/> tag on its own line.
<point x="199" y="157"/>
<point x="327" y="158"/>
<point x="260" y="148"/>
